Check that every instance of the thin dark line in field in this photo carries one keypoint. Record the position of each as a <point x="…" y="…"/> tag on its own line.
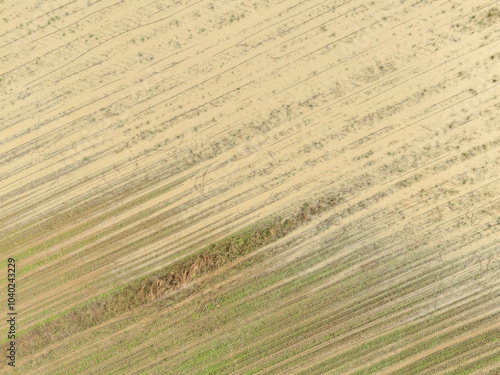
<point x="294" y="15"/>
<point x="100" y="87"/>
<point x="477" y="10"/>
<point x="425" y="71"/>
<point x="304" y="32"/>
<point x="113" y="37"/>
<point x="80" y="20"/>
<point x="416" y="169"/>
<point x="426" y="117"/>
<point x="173" y="54"/>
<point x="333" y="66"/>
<point x="82" y="70"/>
<point x="66" y="114"/>
<point x="42" y="27"/>
<point x="460" y="196"/>
<point x="243" y="40"/>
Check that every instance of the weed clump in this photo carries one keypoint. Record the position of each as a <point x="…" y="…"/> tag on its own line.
<point x="153" y="287"/>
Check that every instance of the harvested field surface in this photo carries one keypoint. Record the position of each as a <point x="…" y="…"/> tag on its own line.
<point x="251" y="187"/>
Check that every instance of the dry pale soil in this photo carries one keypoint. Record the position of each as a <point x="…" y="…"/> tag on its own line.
<point x="355" y="144"/>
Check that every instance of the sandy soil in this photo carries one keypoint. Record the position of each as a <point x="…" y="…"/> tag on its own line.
<point x="134" y="134"/>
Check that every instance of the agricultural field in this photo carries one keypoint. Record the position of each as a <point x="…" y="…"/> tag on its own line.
<point x="250" y="187"/>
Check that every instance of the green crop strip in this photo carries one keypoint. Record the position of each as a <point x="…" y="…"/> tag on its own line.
<point x="146" y="289"/>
